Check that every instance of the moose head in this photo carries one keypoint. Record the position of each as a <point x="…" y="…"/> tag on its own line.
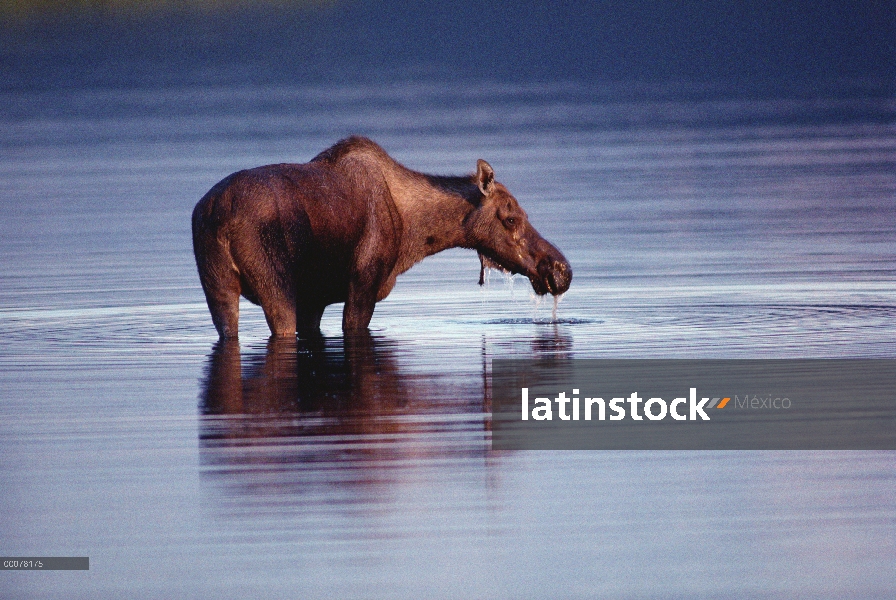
<point x="506" y="240"/>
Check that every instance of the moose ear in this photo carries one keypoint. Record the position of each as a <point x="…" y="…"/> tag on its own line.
<point x="485" y="177"/>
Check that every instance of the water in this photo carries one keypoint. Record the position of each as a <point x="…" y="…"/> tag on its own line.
<point x="697" y="225"/>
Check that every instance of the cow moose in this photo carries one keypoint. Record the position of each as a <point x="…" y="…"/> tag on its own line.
<point x="296" y="238"/>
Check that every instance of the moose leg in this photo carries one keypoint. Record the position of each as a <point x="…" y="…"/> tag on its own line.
<point x="363" y="287"/>
<point x="279" y="309"/>
<point x="259" y="286"/>
<point x="225" y="314"/>
<point x="221" y="284"/>
<point x="308" y="320"/>
<point x="267" y="279"/>
<point x="264" y="285"/>
<point x="374" y="260"/>
<point x="359" y="307"/>
<point x="367" y="277"/>
<point x="281" y="320"/>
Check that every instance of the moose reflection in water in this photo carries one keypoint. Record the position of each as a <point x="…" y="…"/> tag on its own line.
<point x="359" y="404"/>
<point x="342" y="407"/>
<point x="351" y="387"/>
<point x="351" y="379"/>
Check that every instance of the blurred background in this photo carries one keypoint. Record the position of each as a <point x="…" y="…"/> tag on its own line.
<point x="778" y="45"/>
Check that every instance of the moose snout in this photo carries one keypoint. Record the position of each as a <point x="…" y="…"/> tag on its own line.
<point x="556" y="273"/>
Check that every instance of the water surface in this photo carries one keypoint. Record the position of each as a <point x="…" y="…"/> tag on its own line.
<point x="696" y="226"/>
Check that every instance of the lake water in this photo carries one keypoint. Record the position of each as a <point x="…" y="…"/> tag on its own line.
<point x="697" y="225"/>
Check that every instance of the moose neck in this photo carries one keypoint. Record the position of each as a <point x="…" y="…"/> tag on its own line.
<point x="433" y="210"/>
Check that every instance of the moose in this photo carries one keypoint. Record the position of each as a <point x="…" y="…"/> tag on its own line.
<point x="295" y="238"/>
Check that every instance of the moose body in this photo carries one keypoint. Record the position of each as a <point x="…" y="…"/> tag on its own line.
<point x="295" y="238"/>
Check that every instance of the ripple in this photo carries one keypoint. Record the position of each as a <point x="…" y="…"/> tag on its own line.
<point x="530" y="321"/>
<point x="801" y="316"/>
<point x="105" y="336"/>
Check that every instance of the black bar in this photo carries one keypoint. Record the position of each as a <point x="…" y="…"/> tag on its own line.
<point x="45" y="563"/>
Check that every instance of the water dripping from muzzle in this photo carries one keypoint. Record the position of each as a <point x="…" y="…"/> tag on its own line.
<point x="557" y="300"/>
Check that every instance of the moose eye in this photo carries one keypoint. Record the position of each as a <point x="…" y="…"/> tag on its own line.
<point x="510" y="221"/>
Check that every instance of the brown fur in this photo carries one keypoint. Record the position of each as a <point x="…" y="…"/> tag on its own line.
<point x="295" y="238"/>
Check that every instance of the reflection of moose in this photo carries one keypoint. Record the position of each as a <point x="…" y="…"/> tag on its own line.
<point x="341" y="228"/>
<point x="300" y="416"/>
<point x="346" y="420"/>
<point x="353" y="385"/>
